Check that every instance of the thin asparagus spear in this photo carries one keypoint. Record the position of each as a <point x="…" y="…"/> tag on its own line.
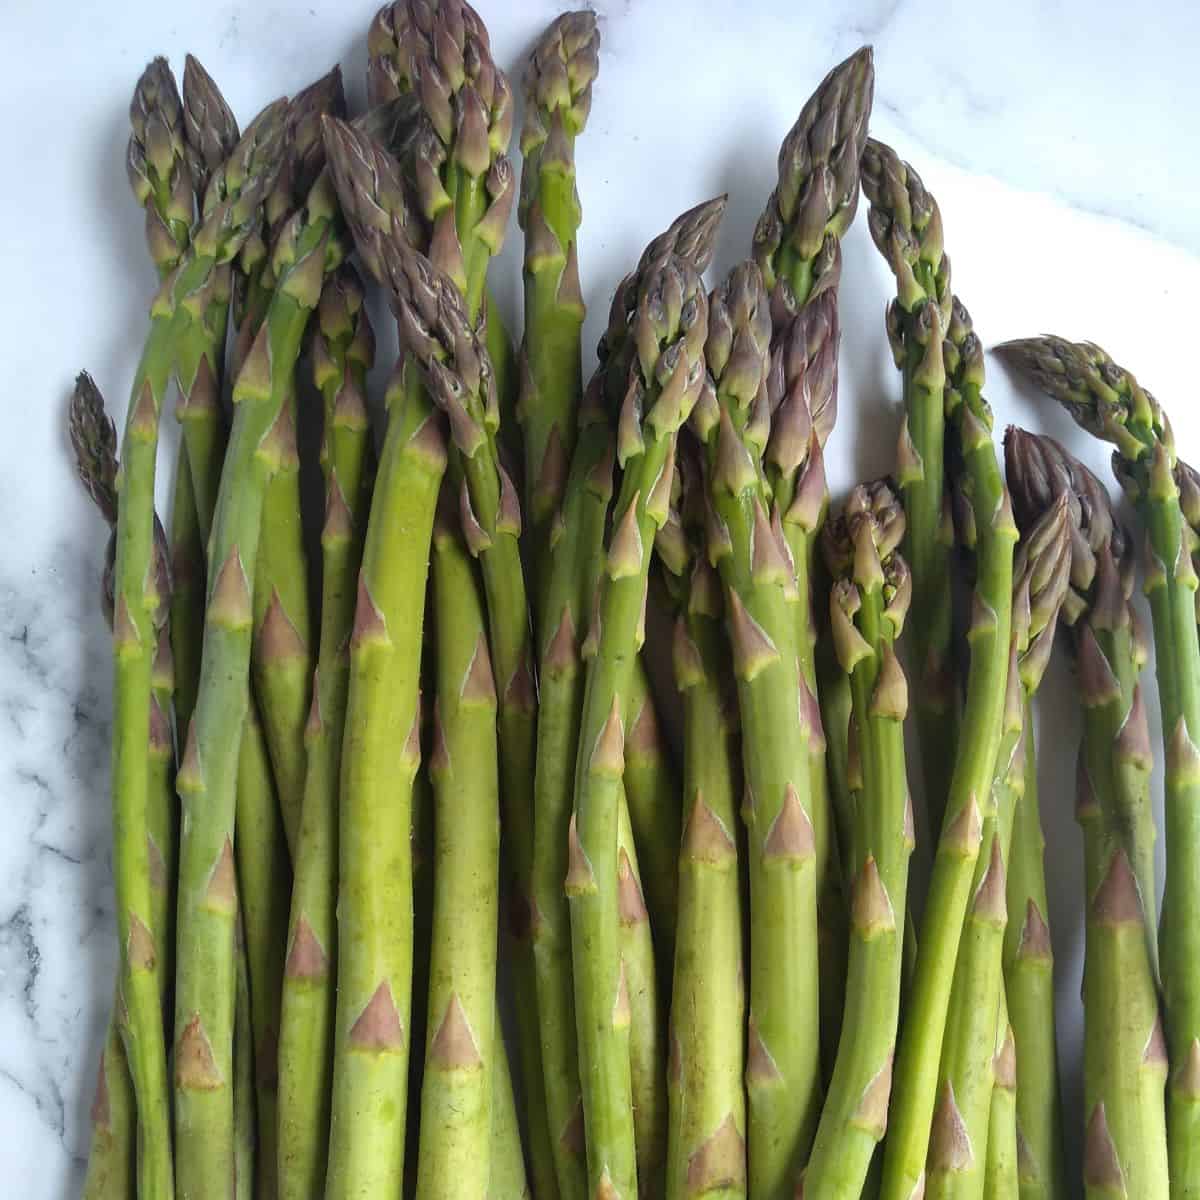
<point x="907" y="228"/>
<point x="1108" y="402"/>
<point x="747" y="543"/>
<point x="669" y="330"/>
<point x="1002" y="1176"/>
<point x="343" y="350"/>
<point x="112" y="1161"/>
<point x="245" y="1094"/>
<point x="372" y="1035"/>
<point x="558" y="97"/>
<point x="263" y="886"/>
<point x="1125" y="1144"/>
<point x="208" y="774"/>
<point x="868" y="607"/>
<point x="957" y="1153"/>
<point x="707" y="1131"/>
<point x="235" y="201"/>
<point x="456" y="1094"/>
<point x="978" y="745"/>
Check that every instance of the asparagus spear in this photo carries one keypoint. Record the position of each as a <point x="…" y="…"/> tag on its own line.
<point x="508" y="1180"/>
<point x="112" y="1165"/>
<point x="707" y="1131"/>
<point x="669" y="330"/>
<point x="1003" y="1171"/>
<point x="245" y="1094"/>
<point x="1187" y="479"/>
<point x="907" y="228"/>
<point x="558" y="97"/>
<point x="343" y="350"/>
<point x="372" y="1037"/>
<point x="747" y="544"/>
<point x="456" y="1095"/>
<point x="1125" y="1145"/>
<point x="959" y="364"/>
<point x="1107" y="401"/>
<point x="868" y="607"/>
<point x="957" y="1154"/>
<point x="207" y="779"/>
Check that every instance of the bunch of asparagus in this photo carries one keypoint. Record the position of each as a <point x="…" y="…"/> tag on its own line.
<point x="361" y="799"/>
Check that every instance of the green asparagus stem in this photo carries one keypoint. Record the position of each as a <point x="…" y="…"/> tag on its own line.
<point x="1002" y="1176"/>
<point x="456" y="1095"/>
<point x="245" y="1094"/>
<point x="868" y="607"/>
<point x="707" y="1131"/>
<point x="205" y="985"/>
<point x="1107" y="401"/>
<point x="375" y="957"/>
<point x="112" y="1162"/>
<point x="747" y="543"/>
<point x="508" y="1181"/>
<point x="1124" y="1059"/>
<point x="558" y="98"/>
<point x="263" y="885"/>
<point x="957" y="1155"/>
<point x="668" y="334"/>
<point x="343" y="350"/>
<point x="907" y="228"/>
<point x="956" y="366"/>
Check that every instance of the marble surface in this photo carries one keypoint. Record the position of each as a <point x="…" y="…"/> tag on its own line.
<point x="1058" y="135"/>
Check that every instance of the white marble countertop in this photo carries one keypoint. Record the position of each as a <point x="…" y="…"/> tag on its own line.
<point x="1059" y="137"/>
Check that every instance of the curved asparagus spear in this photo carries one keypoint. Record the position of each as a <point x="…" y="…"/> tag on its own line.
<point x="207" y="778"/>
<point x="906" y="226"/>
<point x="558" y="97"/>
<point x="669" y="331"/>
<point x="957" y="1153"/>
<point x="978" y="745"/>
<point x="868" y="607"/>
<point x="747" y="543"/>
<point x="1125" y="1143"/>
<point x="456" y="1095"/>
<point x="343" y="350"/>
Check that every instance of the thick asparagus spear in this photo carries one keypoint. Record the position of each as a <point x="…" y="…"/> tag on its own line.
<point x="558" y="98"/>
<point x="1107" y="401"/>
<point x="669" y="330"/>
<point x="343" y="350"/>
<point x="207" y="779"/>
<point x="957" y="1154"/>
<point x="1125" y="1145"/>
<point x="907" y="227"/>
<point x="456" y="1094"/>
<point x="961" y="364"/>
<point x="868" y="608"/>
<point x="747" y="543"/>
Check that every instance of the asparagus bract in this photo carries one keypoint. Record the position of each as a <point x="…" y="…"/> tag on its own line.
<point x="868" y="607"/>
<point x="906" y="226"/>
<point x="343" y="350"/>
<point x="959" y="362"/>
<point x="747" y="544"/>
<point x="1125" y="1141"/>
<point x="669" y="331"/>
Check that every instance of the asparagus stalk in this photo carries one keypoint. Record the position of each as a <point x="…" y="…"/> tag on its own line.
<point x="907" y="228"/>
<point x="868" y="607"/>
<point x="957" y="1156"/>
<point x="747" y="543"/>
<point x="343" y="350"/>
<point x="372" y="1034"/>
<point x="208" y="774"/>
<point x="1125" y="1143"/>
<point x="1107" y="401"/>
<point x="1187" y="479"/>
<point x="958" y="364"/>
<point x="112" y="1162"/>
<point x="707" y="1129"/>
<point x="669" y="330"/>
<point x="508" y="1180"/>
<point x="245" y="1094"/>
<point x="456" y="1095"/>
<point x="263" y="878"/>
<point x="1003" y="1171"/>
<point x="558" y="97"/>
